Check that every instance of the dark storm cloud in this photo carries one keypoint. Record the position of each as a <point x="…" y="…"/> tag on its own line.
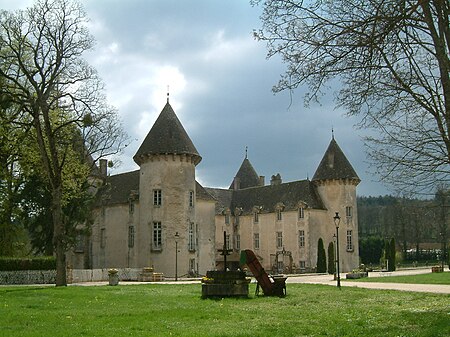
<point x="220" y="87"/>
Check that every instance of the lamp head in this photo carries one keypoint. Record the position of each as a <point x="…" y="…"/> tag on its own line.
<point x="337" y="220"/>
<point x="177" y="236"/>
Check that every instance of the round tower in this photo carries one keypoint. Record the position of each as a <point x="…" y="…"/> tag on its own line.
<point x="336" y="181"/>
<point x="167" y="160"/>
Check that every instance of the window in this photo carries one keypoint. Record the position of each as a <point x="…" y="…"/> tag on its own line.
<point x="157" y="236"/>
<point x="255" y="217"/>
<point x="227" y="218"/>
<point x="131" y="207"/>
<point x="130" y="236"/>
<point x="302" y="265"/>
<point x="238" y="242"/>
<point x="227" y="241"/>
<point x="349" y="241"/>
<point x="79" y="243"/>
<point x="279" y="214"/>
<point x="301" y="238"/>
<point x="103" y="238"/>
<point x="256" y="240"/>
<point x="279" y="239"/>
<point x="191" y="237"/>
<point x="157" y="197"/>
<point x="301" y="213"/>
<point x="191" y="198"/>
<point x="236" y="219"/>
<point x="348" y="211"/>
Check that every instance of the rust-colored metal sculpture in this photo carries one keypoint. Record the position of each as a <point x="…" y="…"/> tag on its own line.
<point x="271" y="286"/>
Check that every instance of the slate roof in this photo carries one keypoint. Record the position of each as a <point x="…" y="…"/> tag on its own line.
<point x="267" y="197"/>
<point x="167" y="136"/>
<point x="247" y="175"/>
<point x="222" y="196"/>
<point x="334" y="165"/>
<point x="120" y="187"/>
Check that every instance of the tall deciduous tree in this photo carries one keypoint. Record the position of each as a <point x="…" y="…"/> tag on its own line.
<point x="391" y="59"/>
<point x="41" y="60"/>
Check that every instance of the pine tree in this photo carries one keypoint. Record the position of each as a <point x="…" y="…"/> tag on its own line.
<point x="331" y="259"/>
<point x="321" y="257"/>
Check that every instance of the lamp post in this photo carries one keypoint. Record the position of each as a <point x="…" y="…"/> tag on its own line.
<point x="177" y="236"/>
<point x="337" y="220"/>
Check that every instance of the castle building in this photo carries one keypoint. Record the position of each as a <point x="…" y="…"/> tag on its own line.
<point x="159" y="216"/>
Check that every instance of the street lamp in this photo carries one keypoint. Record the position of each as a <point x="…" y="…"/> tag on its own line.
<point x="177" y="236"/>
<point x="337" y="220"/>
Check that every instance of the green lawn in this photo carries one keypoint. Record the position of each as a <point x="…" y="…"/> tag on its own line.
<point x="178" y="310"/>
<point x="431" y="278"/>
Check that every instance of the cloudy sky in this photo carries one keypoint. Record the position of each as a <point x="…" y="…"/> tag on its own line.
<point x="220" y="87"/>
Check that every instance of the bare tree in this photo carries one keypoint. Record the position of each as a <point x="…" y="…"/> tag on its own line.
<point x="391" y="61"/>
<point x="59" y="93"/>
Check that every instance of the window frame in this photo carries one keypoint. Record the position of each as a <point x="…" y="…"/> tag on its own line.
<point x="301" y="238"/>
<point x="349" y="240"/>
<point x="157" y="236"/>
<point x="157" y="197"/>
<point x="279" y="237"/>
<point x="256" y="241"/>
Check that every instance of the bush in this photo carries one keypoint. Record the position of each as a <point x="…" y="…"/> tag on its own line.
<point x="321" y="258"/>
<point x="35" y="263"/>
<point x="331" y="259"/>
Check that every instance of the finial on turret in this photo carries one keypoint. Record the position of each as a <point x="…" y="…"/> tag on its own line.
<point x="332" y="132"/>
<point x="167" y="94"/>
<point x="246" y="152"/>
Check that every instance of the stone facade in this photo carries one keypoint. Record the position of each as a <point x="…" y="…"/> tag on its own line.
<point x="159" y="216"/>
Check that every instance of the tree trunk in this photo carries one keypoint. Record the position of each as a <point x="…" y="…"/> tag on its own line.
<point x="59" y="237"/>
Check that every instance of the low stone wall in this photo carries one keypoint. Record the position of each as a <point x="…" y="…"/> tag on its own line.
<point x="99" y="275"/>
<point x="28" y="277"/>
<point x="73" y="276"/>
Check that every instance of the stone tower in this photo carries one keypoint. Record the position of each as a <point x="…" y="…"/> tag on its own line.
<point x="336" y="182"/>
<point x="167" y="195"/>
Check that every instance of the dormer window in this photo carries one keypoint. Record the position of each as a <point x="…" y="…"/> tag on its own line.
<point x="301" y="212"/>
<point x="256" y="211"/>
<point x="279" y="211"/>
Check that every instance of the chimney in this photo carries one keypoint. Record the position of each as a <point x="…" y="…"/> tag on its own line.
<point x="275" y="180"/>
<point x="262" y="180"/>
<point x="103" y="167"/>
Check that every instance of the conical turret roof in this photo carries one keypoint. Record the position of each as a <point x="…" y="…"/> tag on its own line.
<point x="247" y="175"/>
<point x="335" y="165"/>
<point x="167" y="136"/>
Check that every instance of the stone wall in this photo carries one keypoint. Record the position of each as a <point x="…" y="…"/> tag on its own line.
<point x="73" y="276"/>
<point x="27" y="277"/>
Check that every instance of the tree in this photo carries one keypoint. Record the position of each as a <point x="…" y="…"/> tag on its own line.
<point x="331" y="259"/>
<point x="371" y="250"/>
<point x="391" y="62"/>
<point x="321" y="257"/>
<point x="392" y="255"/>
<point x="58" y="94"/>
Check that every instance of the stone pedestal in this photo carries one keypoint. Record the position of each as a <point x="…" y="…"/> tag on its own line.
<point x="225" y="284"/>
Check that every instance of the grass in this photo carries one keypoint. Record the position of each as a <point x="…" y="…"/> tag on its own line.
<point x="431" y="278"/>
<point x="178" y="310"/>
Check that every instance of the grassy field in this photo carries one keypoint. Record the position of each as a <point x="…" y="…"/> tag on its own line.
<point x="178" y="310"/>
<point x="431" y="278"/>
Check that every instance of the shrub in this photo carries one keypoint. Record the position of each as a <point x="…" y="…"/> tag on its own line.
<point x="331" y="259"/>
<point x="35" y="263"/>
<point x="321" y="257"/>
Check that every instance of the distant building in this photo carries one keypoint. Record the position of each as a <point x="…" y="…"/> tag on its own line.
<point x="142" y="215"/>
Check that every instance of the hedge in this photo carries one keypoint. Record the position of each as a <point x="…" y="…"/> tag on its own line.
<point x="35" y="263"/>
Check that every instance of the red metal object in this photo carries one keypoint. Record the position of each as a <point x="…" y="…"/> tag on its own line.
<point x="271" y="287"/>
